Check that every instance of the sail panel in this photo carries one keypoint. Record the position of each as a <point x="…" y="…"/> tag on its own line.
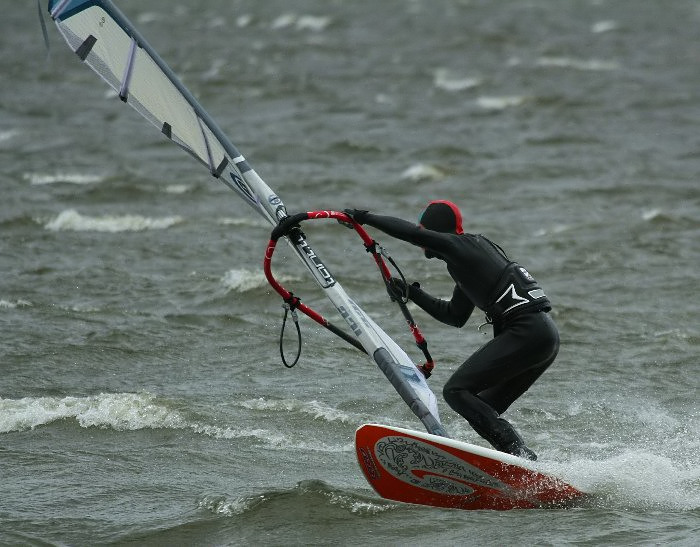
<point x="113" y="49"/>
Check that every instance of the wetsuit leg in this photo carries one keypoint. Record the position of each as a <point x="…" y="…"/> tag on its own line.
<point x="498" y="373"/>
<point x="500" y="397"/>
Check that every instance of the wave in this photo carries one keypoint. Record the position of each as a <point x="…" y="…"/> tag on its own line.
<point x="449" y="81"/>
<point x="255" y="222"/>
<point x="241" y="280"/>
<point x="500" y="103"/>
<point x="138" y="411"/>
<point x="119" y="411"/>
<point x="423" y="172"/>
<point x="69" y="178"/>
<point x="304" y="494"/>
<point x="72" y="221"/>
<point x="595" y="65"/>
<point x="313" y="23"/>
<point x="178" y="189"/>
<point x="9" y="134"/>
<point x="661" y="216"/>
<point x="315" y="409"/>
<point x="11" y="305"/>
<point x="607" y="25"/>
<point x="134" y="411"/>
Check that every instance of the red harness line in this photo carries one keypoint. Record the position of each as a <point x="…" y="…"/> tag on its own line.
<point x="295" y="302"/>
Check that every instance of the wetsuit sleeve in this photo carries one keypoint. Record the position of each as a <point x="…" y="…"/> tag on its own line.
<point x="457" y="310"/>
<point x="454" y="312"/>
<point x="407" y="231"/>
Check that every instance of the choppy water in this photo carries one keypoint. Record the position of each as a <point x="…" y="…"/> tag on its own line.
<point x="142" y="397"/>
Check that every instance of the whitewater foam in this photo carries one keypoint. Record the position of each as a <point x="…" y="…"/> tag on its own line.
<point x="66" y="178"/>
<point x="447" y="80"/>
<point x="423" y="172"/>
<point x="9" y="304"/>
<point x="500" y="103"/>
<point x="119" y="411"/>
<point x="242" y="280"/>
<point x="8" y="134"/>
<point x="137" y="411"/>
<point x="577" y="64"/>
<point x="315" y="409"/>
<point x="313" y="23"/>
<point x="634" y="480"/>
<point x="72" y="221"/>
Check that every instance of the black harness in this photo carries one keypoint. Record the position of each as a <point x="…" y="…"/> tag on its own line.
<point x="516" y="292"/>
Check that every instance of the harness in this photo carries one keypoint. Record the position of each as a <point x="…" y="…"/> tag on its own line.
<point x="516" y="292"/>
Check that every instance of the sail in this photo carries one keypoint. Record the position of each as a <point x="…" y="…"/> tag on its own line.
<point x="104" y="39"/>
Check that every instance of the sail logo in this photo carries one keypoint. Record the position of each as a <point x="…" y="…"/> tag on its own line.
<point x="349" y="320"/>
<point x="242" y="187"/>
<point x="280" y="209"/>
<point x="315" y="264"/>
<point x="361" y="314"/>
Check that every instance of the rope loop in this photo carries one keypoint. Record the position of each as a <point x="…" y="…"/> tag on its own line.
<point x="289" y="306"/>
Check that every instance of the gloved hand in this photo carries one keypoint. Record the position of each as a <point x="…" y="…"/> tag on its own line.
<point x="287" y="224"/>
<point x="358" y="215"/>
<point x="397" y="289"/>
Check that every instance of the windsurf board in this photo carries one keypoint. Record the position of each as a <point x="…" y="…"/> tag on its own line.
<point x="415" y="467"/>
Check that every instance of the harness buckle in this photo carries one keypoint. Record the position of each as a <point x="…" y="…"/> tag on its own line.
<point x="489" y="321"/>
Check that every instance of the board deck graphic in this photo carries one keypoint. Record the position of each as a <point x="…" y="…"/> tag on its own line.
<point x="416" y="467"/>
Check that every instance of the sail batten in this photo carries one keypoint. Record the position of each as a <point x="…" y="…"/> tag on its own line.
<point x="124" y="89"/>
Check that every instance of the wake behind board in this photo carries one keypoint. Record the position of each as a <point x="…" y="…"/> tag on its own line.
<point x="416" y="467"/>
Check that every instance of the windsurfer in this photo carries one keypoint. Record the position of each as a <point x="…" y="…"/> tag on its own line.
<point x="525" y="339"/>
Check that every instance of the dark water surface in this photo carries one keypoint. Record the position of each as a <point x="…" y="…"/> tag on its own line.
<point x="142" y="398"/>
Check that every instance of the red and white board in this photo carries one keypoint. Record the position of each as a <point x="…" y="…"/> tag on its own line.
<point x="416" y="467"/>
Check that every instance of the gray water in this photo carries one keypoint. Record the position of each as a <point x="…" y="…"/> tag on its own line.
<point x="142" y="397"/>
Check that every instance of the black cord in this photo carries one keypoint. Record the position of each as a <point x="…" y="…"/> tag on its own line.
<point x="287" y="309"/>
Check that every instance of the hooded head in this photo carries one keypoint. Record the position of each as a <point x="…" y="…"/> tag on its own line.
<point x="442" y="216"/>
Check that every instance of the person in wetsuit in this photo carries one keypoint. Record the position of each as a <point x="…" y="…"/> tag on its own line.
<point x="525" y="339"/>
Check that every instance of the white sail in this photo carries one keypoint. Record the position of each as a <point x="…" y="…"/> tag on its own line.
<point x="107" y="41"/>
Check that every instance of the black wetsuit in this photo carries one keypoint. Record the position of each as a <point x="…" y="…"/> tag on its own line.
<point x="525" y="339"/>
